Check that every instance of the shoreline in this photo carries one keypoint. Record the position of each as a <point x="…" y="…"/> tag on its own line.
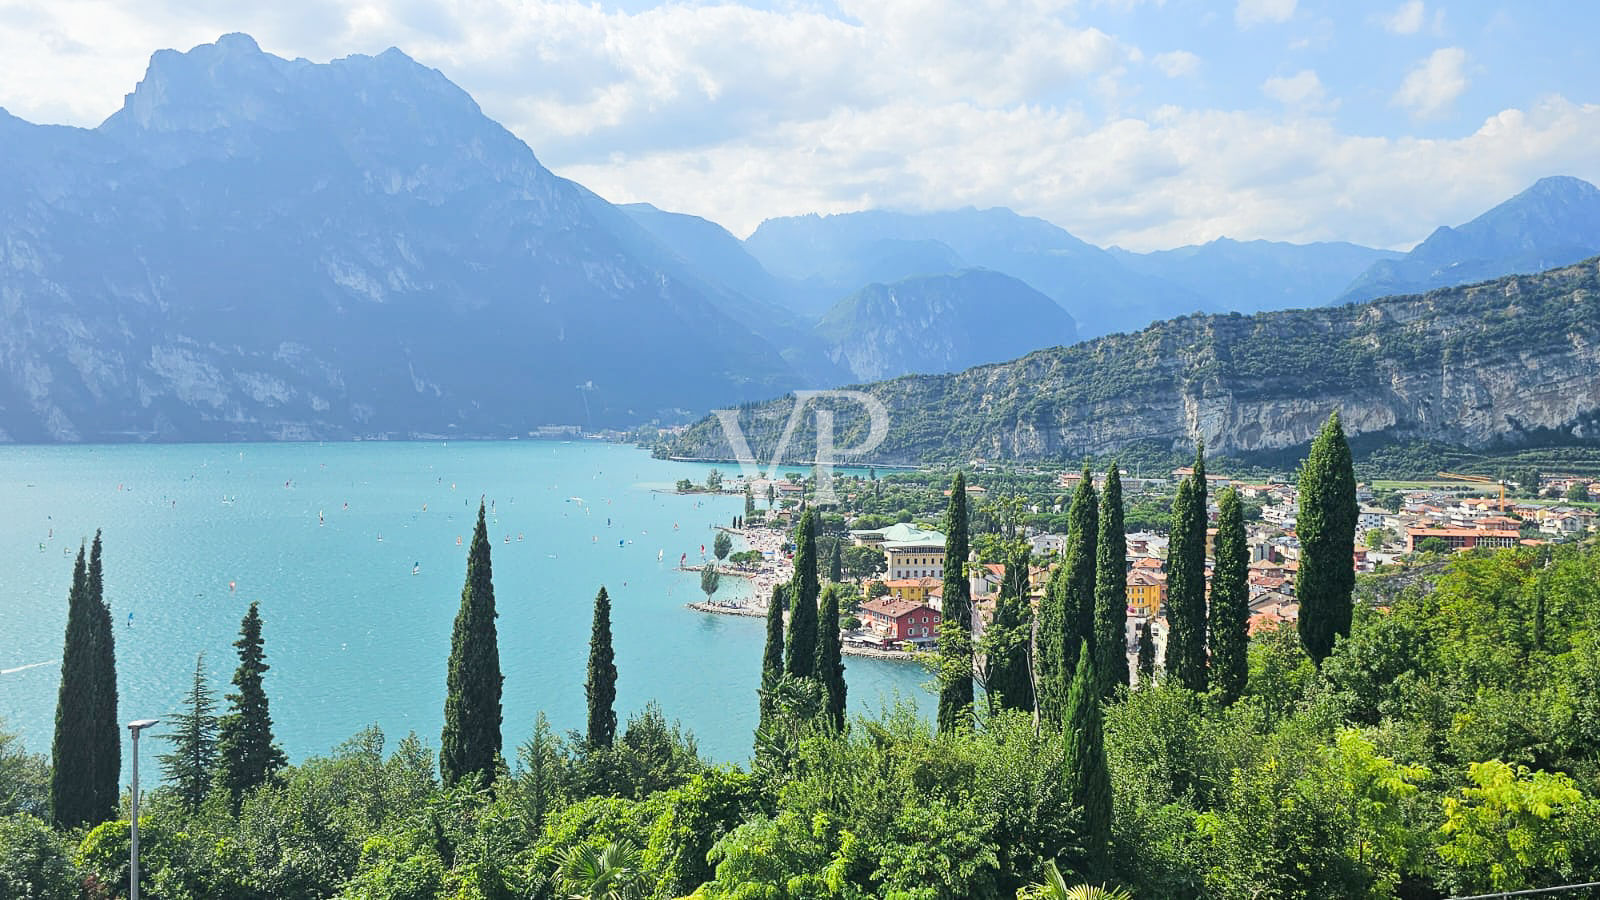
<point x="846" y="648"/>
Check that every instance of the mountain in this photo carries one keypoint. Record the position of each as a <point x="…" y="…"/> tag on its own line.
<point x="835" y="252"/>
<point x="941" y="323"/>
<point x="255" y="247"/>
<point x="1505" y="362"/>
<point x="1554" y="223"/>
<point x="1252" y="276"/>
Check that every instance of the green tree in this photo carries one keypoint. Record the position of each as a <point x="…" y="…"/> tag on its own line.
<point x="1186" y="581"/>
<point x="1147" y="654"/>
<point x="1007" y="639"/>
<point x="105" y="729"/>
<point x="714" y="480"/>
<point x="1512" y="829"/>
<point x="863" y="562"/>
<point x="800" y="660"/>
<point x="1083" y="531"/>
<point x="1088" y="778"/>
<point x="1578" y="492"/>
<point x="34" y="863"/>
<point x="612" y="872"/>
<point x="246" y="754"/>
<point x="600" y="687"/>
<point x="1433" y="545"/>
<point x="722" y="545"/>
<point x="749" y="501"/>
<point x="955" y="630"/>
<point x="1111" y="587"/>
<point x="191" y="767"/>
<point x="472" y="714"/>
<point x="1326" y="527"/>
<point x="836" y="563"/>
<point x="24" y="778"/>
<point x="710" y="580"/>
<point x="772" y="653"/>
<point x="1230" y="601"/>
<point x="830" y="665"/>
<point x="76" y="795"/>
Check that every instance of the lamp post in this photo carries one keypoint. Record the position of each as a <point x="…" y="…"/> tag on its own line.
<point x="133" y="825"/>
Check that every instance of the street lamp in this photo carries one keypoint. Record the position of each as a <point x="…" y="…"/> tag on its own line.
<point x="134" y="728"/>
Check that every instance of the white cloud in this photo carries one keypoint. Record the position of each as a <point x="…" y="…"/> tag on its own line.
<point x="1249" y="13"/>
<point x="1407" y="19"/>
<point x="1302" y="91"/>
<point x="1434" y="83"/>
<point x="1177" y="63"/>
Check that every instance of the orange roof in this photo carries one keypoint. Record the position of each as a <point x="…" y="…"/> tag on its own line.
<point x="894" y="609"/>
<point x="913" y="582"/>
<point x="1425" y="531"/>
<point x="1146" y="577"/>
<point x="1147" y="562"/>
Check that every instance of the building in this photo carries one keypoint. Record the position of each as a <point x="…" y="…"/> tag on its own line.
<point x="896" y="621"/>
<point x="914" y="590"/>
<point x="913" y="552"/>
<point x="1147" y="592"/>
<point x="984" y="582"/>
<point x="1461" y="538"/>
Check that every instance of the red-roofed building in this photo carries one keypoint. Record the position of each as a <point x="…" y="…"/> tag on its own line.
<point x="1461" y="538"/>
<point x="896" y="621"/>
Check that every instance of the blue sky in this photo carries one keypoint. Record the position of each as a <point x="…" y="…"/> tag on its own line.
<point x="1138" y="122"/>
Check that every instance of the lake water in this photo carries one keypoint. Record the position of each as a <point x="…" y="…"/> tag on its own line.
<point x="194" y="533"/>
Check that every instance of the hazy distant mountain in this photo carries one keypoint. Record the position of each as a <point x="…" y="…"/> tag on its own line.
<point x="257" y="247"/>
<point x="1553" y="223"/>
<point x="942" y="323"/>
<point x="1101" y="294"/>
<point x="1251" y="276"/>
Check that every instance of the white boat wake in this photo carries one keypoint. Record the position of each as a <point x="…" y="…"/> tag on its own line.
<point x="48" y="662"/>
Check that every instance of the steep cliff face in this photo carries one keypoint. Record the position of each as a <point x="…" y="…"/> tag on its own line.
<point x="1504" y="362"/>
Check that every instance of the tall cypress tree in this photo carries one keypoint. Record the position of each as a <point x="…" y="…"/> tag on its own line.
<point x="191" y="767"/>
<point x="836" y="564"/>
<point x="1111" y="587"/>
<point x="1230" y="600"/>
<point x="955" y="631"/>
<point x="1088" y="777"/>
<point x="245" y="749"/>
<point x="600" y="687"/>
<point x="1147" y="654"/>
<point x="1050" y="649"/>
<point x="830" y="665"/>
<point x="801" y="654"/>
<point x="1326" y="527"/>
<point x="76" y="797"/>
<point x="1010" y="682"/>
<point x="472" y="715"/>
<point x="772" y="655"/>
<point x="1186" y="580"/>
<point x="105" y="730"/>
<point x="1073" y="599"/>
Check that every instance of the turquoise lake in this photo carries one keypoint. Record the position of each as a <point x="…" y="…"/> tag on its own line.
<point x="194" y="533"/>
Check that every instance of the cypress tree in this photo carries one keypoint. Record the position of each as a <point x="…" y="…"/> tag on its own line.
<point x="105" y="730"/>
<point x="245" y="749"/>
<point x="801" y="658"/>
<point x="472" y="715"/>
<point x="1230" y="600"/>
<point x="76" y="796"/>
<point x="1111" y="587"/>
<point x="830" y="666"/>
<point x="1326" y="527"/>
<point x="1186" y="581"/>
<point x="772" y="655"/>
<point x="191" y="767"/>
<point x="600" y="687"/>
<point x="1072" y="598"/>
<point x="1088" y="777"/>
<point x="836" y="564"/>
<point x="1050" y="648"/>
<point x="1147" y="654"/>
<point x="749" y="501"/>
<point x="955" y="632"/>
<point x="1010" y="682"/>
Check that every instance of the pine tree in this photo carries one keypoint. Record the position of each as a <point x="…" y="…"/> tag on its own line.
<point x="245" y="749"/>
<point x="1230" y="600"/>
<point x="1326" y="527"/>
<point x="800" y="660"/>
<point x="1088" y="777"/>
<point x="191" y="767"/>
<point x="1147" y="655"/>
<point x="1111" y="587"/>
<point x="1186" y="581"/>
<point x="836" y="564"/>
<point x="955" y="631"/>
<point x="772" y="655"/>
<point x="1010" y="682"/>
<point x="77" y="796"/>
<point x="106" y="730"/>
<point x="600" y="687"/>
<point x="830" y="666"/>
<point x="472" y="715"/>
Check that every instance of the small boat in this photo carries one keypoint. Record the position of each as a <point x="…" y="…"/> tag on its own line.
<point x="416" y="569"/>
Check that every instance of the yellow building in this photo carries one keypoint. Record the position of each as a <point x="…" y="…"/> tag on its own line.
<point x="1147" y="592"/>
<point x="914" y="590"/>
